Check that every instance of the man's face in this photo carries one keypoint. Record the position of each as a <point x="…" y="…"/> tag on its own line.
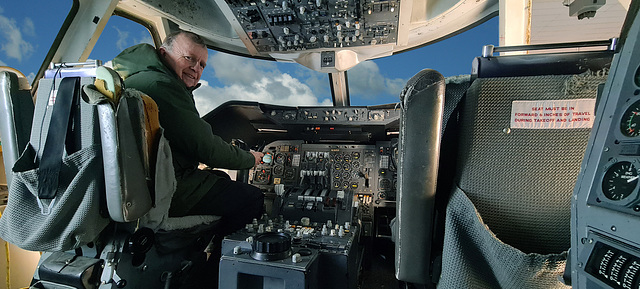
<point x="187" y="60"/>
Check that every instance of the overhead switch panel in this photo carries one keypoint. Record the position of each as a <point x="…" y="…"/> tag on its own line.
<point x="277" y="26"/>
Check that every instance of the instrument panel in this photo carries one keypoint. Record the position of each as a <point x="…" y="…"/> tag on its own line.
<point x="620" y="170"/>
<point x="321" y="163"/>
<point x="367" y="172"/>
<point x="330" y="182"/>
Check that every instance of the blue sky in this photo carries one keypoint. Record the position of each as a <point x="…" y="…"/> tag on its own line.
<point x="27" y="33"/>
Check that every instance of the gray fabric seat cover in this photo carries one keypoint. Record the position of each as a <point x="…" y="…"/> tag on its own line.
<point x="508" y="220"/>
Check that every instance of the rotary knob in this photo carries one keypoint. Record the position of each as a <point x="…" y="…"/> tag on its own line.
<point x="271" y="246"/>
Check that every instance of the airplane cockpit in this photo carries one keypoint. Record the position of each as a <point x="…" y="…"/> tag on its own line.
<point x="522" y="173"/>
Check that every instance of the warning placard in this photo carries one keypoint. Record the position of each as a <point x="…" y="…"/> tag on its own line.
<point x="553" y="114"/>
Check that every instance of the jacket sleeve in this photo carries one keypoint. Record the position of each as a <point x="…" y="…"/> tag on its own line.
<point x="190" y="134"/>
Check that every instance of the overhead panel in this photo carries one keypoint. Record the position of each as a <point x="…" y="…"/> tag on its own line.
<point x="205" y="15"/>
<point x="301" y="30"/>
<point x="294" y="25"/>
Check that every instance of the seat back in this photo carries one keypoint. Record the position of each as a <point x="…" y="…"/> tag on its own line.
<point x="422" y="102"/>
<point x="15" y="123"/>
<point x="521" y="142"/>
<point x="129" y="136"/>
<point x="423" y="96"/>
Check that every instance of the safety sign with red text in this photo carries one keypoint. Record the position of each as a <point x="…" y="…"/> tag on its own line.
<point x="553" y="114"/>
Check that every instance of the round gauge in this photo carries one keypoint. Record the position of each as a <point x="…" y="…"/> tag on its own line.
<point x="346" y="167"/>
<point x="630" y="122"/>
<point x="280" y="158"/>
<point x="346" y="158"/>
<point x="337" y="167"/>
<point x="338" y="157"/>
<point x="346" y="175"/>
<point x="636" y="78"/>
<point x="278" y="170"/>
<point x="289" y="173"/>
<point x="355" y="155"/>
<point x="356" y="164"/>
<point x="620" y="181"/>
<point x="337" y="176"/>
<point x="262" y="177"/>
<point x="336" y="184"/>
<point x="345" y="185"/>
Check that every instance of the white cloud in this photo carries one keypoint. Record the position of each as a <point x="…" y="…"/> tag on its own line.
<point x="231" y="69"/>
<point x="31" y="77"/>
<point x="257" y="80"/>
<point x="282" y="90"/>
<point x="318" y="81"/>
<point x="13" y="45"/>
<point x="29" y="28"/>
<point x="366" y="81"/>
<point x="252" y="80"/>
<point x="121" y="43"/>
<point x="145" y="37"/>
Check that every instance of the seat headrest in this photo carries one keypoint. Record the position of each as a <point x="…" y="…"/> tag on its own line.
<point x="107" y="86"/>
<point x="23" y="82"/>
<point x="109" y="83"/>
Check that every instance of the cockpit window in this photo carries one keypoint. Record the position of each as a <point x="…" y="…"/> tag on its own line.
<point x="118" y="34"/>
<point x="24" y="40"/>
<point x="228" y="77"/>
<point x="381" y="80"/>
<point x="374" y="82"/>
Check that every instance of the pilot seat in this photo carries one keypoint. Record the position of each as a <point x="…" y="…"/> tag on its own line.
<point x="509" y="158"/>
<point x="139" y="246"/>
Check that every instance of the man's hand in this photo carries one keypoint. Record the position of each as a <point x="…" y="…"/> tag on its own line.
<point x="257" y="156"/>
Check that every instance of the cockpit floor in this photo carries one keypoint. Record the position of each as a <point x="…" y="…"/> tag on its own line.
<point x="378" y="271"/>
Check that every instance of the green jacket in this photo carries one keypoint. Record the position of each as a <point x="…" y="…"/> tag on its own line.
<point x="191" y="138"/>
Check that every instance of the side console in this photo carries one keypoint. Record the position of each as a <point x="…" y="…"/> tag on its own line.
<point x="605" y="245"/>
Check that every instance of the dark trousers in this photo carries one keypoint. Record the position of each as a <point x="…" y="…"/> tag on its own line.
<point x="237" y="203"/>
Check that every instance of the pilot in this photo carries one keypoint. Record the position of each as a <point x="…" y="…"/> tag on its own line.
<point x="169" y="75"/>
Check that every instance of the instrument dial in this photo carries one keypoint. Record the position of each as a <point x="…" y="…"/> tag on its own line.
<point x="289" y="173"/>
<point x="278" y="170"/>
<point x="630" y="122"/>
<point x="262" y="177"/>
<point x="620" y="181"/>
